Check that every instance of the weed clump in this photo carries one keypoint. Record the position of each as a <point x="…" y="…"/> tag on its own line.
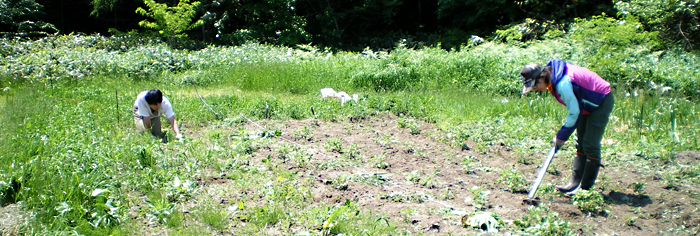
<point x="590" y="201"/>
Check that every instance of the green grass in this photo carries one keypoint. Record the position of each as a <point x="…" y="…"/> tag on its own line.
<point x="68" y="138"/>
<point x="78" y="142"/>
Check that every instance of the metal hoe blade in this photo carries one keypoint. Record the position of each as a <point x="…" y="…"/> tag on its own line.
<point x="540" y="176"/>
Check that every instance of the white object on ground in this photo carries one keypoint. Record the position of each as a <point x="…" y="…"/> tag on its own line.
<point x="343" y="96"/>
<point x="328" y="93"/>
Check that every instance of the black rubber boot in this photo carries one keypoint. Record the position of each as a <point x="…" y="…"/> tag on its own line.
<point x="590" y="173"/>
<point x="576" y="175"/>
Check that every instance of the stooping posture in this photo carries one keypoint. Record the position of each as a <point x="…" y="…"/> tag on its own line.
<point x="589" y="102"/>
<point x="148" y="108"/>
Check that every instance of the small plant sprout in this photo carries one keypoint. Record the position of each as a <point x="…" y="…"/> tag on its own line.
<point x="285" y="151"/>
<point x="340" y="182"/>
<point x="303" y="133"/>
<point x="480" y="199"/>
<point x="429" y="181"/>
<point x="447" y="194"/>
<point x="408" y="214"/>
<point x="468" y="163"/>
<point x="334" y="144"/>
<point x="590" y="201"/>
<point x="402" y="122"/>
<point x="414" y="176"/>
<point x="415" y="129"/>
<point x="513" y="180"/>
<point x="410" y="123"/>
<point x="379" y="161"/>
<point x="638" y="188"/>
<point x="352" y="152"/>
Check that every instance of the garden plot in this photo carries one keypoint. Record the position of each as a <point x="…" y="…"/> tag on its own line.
<point x="409" y="173"/>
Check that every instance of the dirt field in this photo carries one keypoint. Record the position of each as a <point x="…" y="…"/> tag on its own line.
<point x="447" y="197"/>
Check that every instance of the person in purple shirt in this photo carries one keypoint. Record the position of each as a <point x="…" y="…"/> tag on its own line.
<point x="589" y="103"/>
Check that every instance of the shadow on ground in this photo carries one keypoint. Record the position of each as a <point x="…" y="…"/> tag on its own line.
<point x="629" y="199"/>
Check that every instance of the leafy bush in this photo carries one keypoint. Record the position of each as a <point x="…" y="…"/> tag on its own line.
<point x="677" y="21"/>
<point x="612" y="43"/>
<point x="169" y="21"/>
<point x="23" y="18"/>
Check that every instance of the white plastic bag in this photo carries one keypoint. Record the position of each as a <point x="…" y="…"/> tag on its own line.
<point x="328" y="93"/>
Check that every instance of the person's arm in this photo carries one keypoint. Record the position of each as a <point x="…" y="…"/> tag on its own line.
<point x="566" y="91"/>
<point x="147" y="123"/>
<point x="173" y="122"/>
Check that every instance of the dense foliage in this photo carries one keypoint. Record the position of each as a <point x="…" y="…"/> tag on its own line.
<point x="23" y="18"/>
<point x="341" y="24"/>
<point x="344" y="24"/>
<point x="619" y="50"/>
<point x="679" y="21"/>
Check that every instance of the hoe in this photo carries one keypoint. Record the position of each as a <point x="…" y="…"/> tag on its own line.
<point x="531" y="200"/>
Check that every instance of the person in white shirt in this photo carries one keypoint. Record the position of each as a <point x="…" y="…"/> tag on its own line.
<point x="148" y="108"/>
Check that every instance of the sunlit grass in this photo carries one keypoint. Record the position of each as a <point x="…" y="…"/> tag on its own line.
<point x="71" y="143"/>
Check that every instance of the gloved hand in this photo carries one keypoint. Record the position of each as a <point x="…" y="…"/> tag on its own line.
<point x="178" y="136"/>
<point x="558" y="143"/>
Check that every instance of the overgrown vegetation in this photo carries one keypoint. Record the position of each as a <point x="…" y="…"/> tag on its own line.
<point x="70" y="157"/>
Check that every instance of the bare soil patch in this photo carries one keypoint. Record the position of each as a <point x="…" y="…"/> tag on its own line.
<point x="11" y="217"/>
<point x="437" y="206"/>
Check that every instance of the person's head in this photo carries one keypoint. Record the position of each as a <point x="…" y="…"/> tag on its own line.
<point x="535" y="77"/>
<point x="154" y="97"/>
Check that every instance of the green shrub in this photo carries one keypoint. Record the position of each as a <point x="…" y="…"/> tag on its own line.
<point x="612" y="43"/>
<point x="589" y="201"/>
<point x="169" y="21"/>
<point x="677" y="21"/>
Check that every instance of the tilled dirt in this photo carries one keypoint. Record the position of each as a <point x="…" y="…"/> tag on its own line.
<point x="442" y="201"/>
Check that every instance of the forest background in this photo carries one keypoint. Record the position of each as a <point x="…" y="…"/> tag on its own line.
<point x="342" y="24"/>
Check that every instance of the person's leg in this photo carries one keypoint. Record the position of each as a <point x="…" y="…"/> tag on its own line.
<point x="579" y="163"/>
<point x="595" y="127"/>
<point x="138" y="121"/>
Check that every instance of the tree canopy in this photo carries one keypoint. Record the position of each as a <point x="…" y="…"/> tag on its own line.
<point x="342" y="24"/>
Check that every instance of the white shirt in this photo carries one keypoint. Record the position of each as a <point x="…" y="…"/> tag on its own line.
<point x="145" y="110"/>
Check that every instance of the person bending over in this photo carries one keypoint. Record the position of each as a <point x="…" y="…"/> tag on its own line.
<point x="148" y="108"/>
<point x="588" y="99"/>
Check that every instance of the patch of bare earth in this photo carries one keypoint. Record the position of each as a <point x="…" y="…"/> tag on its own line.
<point x="428" y="207"/>
<point x="11" y="216"/>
